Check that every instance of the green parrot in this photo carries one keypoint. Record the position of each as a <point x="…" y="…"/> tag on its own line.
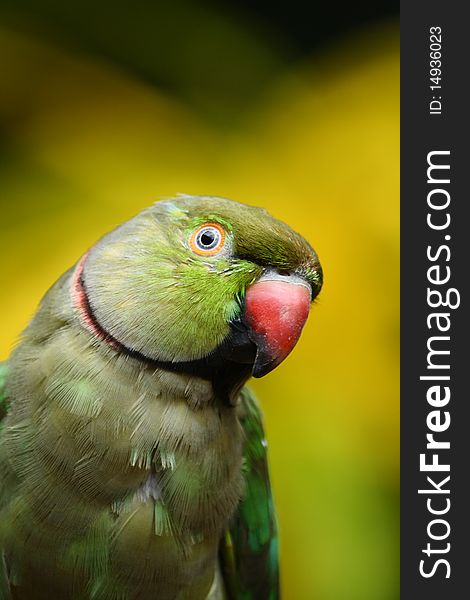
<point x="132" y="456"/>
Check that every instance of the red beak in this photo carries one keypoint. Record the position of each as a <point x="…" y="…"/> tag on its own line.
<point x="276" y="311"/>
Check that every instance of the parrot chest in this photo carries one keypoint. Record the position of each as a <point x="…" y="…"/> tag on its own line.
<point x="118" y="458"/>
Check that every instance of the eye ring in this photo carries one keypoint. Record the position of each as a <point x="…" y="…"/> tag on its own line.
<point x="208" y="239"/>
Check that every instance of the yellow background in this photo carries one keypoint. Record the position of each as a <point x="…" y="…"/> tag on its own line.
<point x="319" y="150"/>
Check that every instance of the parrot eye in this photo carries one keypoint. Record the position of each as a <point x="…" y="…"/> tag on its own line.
<point x="208" y="239"/>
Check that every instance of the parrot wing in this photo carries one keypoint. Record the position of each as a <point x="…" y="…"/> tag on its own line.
<point x="249" y="549"/>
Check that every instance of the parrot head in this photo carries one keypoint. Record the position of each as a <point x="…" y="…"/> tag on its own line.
<point x="199" y="284"/>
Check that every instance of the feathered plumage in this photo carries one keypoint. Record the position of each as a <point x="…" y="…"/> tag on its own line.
<point x="132" y="458"/>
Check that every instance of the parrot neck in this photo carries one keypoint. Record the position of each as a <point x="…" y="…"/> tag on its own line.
<point x="227" y="376"/>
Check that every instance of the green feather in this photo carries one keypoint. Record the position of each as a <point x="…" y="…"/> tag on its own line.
<point x="249" y="550"/>
<point x="5" y="590"/>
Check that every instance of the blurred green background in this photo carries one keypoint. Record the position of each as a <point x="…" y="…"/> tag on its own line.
<point x="105" y="108"/>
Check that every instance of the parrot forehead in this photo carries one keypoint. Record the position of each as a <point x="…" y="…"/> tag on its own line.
<point x="257" y="235"/>
<point x="187" y="209"/>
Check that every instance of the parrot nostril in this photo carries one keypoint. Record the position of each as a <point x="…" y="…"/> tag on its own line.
<point x="283" y="272"/>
